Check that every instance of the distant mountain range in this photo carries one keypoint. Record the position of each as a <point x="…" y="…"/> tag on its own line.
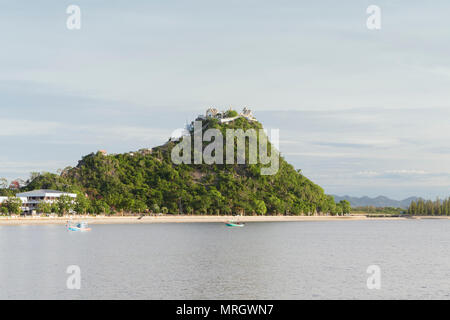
<point x="380" y="201"/>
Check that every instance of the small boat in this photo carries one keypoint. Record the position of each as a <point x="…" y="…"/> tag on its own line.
<point x="79" y="226"/>
<point x="235" y="224"/>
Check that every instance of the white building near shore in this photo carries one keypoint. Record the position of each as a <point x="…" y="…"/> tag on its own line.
<point x="32" y="199"/>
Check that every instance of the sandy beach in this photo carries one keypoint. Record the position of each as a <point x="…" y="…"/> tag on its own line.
<point x="189" y="219"/>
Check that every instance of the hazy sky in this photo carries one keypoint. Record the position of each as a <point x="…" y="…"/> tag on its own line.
<point x="361" y="112"/>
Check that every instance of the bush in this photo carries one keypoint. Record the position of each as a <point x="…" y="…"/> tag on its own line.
<point x="231" y="114"/>
<point x="156" y="208"/>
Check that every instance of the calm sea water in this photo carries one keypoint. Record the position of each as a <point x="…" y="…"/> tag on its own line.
<point x="290" y="260"/>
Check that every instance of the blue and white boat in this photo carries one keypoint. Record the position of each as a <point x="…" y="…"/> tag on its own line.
<point x="77" y="226"/>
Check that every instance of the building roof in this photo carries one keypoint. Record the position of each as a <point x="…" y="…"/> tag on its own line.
<point x="44" y="192"/>
<point x="3" y="199"/>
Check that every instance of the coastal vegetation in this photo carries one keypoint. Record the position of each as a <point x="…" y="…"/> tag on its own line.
<point x="378" y="210"/>
<point x="12" y="205"/>
<point x="148" y="181"/>
<point x="430" y="208"/>
<point x="419" y="207"/>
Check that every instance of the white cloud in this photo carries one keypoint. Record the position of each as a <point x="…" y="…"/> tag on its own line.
<point x="368" y="173"/>
<point x="407" y="172"/>
<point x="23" y="127"/>
<point x="23" y="168"/>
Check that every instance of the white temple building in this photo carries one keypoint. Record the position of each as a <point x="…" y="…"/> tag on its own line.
<point x="216" y="114"/>
<point x="31" y="199"/>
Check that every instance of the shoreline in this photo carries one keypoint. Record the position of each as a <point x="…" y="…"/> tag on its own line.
<point x="194" y="219"/>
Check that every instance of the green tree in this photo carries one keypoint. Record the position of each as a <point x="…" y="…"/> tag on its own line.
<point x="276" y="205"/>
<point x="260" y="207"/>
<point x="44" y="207"/>
<point x="345" y="206"/>
<point x="412" y="208"/>
<point x="81" y="204"/>
<point x="101" y="207"/>
<point x="14" y="205"/>
<point x="54" y="208"/>
<point x="139" y="206"/>
<point x="65" y="204"/>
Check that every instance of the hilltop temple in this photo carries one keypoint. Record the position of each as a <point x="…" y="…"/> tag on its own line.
<point x="213" y="113"/>
<point x="222" y="115"/>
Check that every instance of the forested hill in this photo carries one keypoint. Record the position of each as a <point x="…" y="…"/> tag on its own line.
<point x="148" y="181"/>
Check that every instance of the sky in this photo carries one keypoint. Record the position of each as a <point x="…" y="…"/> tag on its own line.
<point x="361" y="112"/>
